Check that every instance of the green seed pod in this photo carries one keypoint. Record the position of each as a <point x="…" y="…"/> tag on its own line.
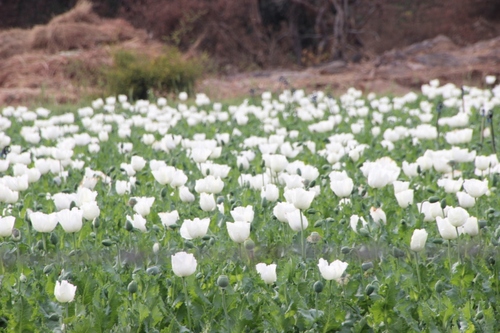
<point x="220" y="199"/>
<point x="199" y="276"/>
<point x="330" y="220"/>
<point x="66" y="276"/>
<point x="223" y="281"/>
<point x="369" y="289"/>
<point x="313" y="183"/>
<point x="53" y="238"/>
<point x="211" y="241"/>
<point x="96" y="223"/>
<point x="189" y="244"/>
<point x="311" y="211"/>
<point x="398" y="253"/>
<point x="345" y="250"/>
<point x="319" y="223"/>
<point x="206" y="237"/>
<point x="153" y="270"/>
<point x="439" y="286"/>
<point x="107" y="242"/>
<point x="318" y="286"/>
<point x="54" y="317"/>
<point x="164" y="192"/>
<point x="443" y="203"/>
<point x="326" y="167"/>
<point x="249" y="244"/>
<point x="482" y="224"/>
<point x="364" y="232"/>
<point x="479" y="315"/>
<point x="39" y="245"/>
<point x="132" y="287"/>
<point x="48" y="269"/>
<point x="433" y="199"/>
<point x="438" y="241"/>
<point x="366" y="266"/>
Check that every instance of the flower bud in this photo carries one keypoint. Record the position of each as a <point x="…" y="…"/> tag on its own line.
<point x="132" y="287"/>
<point x="366" y="265"/>
<point x="318" y="286"/>
<point x="345" y="250"/>
<point x="153" y="270"/>
<point x="54" y="239"/>
<point x="443" y="204"/>
<point x="433" y="199"/>
<point x="129" y="226"/>
<point x="16" y="235"/>
<point x="479" y="315"/>
<point x="48" y="269"/>
<point x="249" y="244"/>
<point x="439" y="286"/>
<point x="398" y="253"/>
<point x="54" y="317"/>
<point x="107" y="242"/>
<point x="156" y="248"/>
<point x="223" y="281"/>
<point x="369" y="289"/>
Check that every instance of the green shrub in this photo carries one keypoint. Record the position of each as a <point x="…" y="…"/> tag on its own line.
<point x="138" y="74"/>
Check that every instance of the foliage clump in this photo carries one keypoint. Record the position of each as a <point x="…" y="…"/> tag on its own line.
<point x="137" y="74"/>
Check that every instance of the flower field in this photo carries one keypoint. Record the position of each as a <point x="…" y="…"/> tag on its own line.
<point x="284" y="213"/>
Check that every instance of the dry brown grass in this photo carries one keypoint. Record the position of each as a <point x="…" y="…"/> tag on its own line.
<point x="13" y="41"/>
<point x="63" y="58"/>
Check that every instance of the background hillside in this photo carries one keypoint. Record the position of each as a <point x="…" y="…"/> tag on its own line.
<point x="62" y="49"/>
<point x="251" y="34"/>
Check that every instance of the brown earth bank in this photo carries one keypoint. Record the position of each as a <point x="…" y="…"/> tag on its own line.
<point x="47" y="61"/>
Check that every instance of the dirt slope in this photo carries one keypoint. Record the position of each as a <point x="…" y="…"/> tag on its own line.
<point x="47" y="61"/>
<point x="396" y="71"/>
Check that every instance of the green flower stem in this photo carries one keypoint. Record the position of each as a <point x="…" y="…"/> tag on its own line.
<point x="458" y="249"/>
<point x="118" y="257"/>
<point x="330" y="282"/>
<point x="302" y="243"/>
<point x="44" y="239"/>
<point x="186" y="295"/>
<point x="74" y="241"/>
<point x="449" y="259"/>
<point x="418" y="272"/>
<point x="316" y="305"/>
<point x="66" y="314"/>
<point x="224" y="305"/>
